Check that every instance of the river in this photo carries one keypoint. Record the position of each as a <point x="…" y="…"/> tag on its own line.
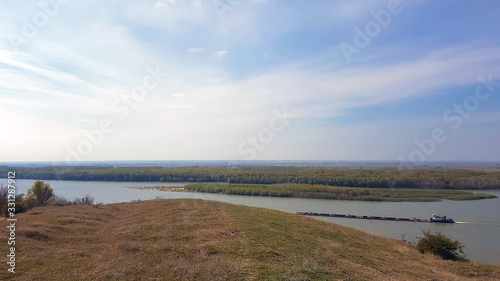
<point x="477" y="227"/>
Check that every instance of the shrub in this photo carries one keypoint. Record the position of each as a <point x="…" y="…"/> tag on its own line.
<point x="438" y="244"/>
<point x="57" y="201"/>
<point x="39" y="194"/>
<point x="86" y="200"/>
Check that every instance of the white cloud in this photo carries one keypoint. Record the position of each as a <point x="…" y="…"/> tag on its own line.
<point x="195" y="50"/>
<point x="239" y="108"/>
<point x="220" y="54"/>
<point x="198" y="4"/>
<point x="65" y="80"/>
<point x="164" y="3"/>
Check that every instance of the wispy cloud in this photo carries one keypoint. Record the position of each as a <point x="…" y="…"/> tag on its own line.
<point x="164" y="3"/>
<point x="228" y="76"/>
<point x="195" y="50"/>
<point x="220" y="54"/>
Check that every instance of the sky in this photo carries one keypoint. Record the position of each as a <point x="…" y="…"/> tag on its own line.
<point x="409" y="81"/>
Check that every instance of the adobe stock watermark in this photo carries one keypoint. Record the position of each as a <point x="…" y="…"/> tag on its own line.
<point x="265" y="136"/>
<point x="11" y="220"/>
<point x="46" y="10"/>
<point x="121" y="108"/>
<point x="454" y="117"/>
<point x="224" y="7"/>
<point x="363" y="36"/>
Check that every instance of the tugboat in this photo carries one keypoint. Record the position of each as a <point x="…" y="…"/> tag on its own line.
<point x="441" y="218"/>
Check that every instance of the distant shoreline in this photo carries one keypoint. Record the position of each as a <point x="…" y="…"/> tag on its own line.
<point x="458" y="179"/>
<point x="337" y="164"/>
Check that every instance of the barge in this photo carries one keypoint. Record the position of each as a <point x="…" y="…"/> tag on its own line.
<point x="434" y="218"/>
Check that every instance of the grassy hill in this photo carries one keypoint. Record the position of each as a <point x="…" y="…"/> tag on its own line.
<point x="186" y="239"/>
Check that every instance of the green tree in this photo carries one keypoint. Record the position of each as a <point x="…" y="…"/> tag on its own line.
<point x="39" y="194"/>
<point x="441" y="245"/>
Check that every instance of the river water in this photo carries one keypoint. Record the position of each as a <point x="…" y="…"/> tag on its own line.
<point x="477" y="227"/>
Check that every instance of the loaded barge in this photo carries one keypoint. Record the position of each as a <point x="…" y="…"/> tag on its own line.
<point x="434" y="218"/>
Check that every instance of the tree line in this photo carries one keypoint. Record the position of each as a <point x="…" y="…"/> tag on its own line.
<point x="380" y="178"/>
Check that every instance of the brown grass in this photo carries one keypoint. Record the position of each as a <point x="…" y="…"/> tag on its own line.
<point x="187" y="239"/>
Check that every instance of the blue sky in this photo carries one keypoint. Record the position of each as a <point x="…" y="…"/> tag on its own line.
<point x="261" y="79"/>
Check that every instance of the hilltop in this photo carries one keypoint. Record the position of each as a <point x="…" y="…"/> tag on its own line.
<point x="186" y="239"/>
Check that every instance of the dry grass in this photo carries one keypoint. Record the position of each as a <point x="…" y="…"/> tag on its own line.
<point x="202" y="240"/>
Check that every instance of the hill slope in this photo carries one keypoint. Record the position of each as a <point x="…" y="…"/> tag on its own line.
<point x="187" y="239"/>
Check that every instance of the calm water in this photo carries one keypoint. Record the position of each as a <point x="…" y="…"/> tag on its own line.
<point x="478" y="221"/>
